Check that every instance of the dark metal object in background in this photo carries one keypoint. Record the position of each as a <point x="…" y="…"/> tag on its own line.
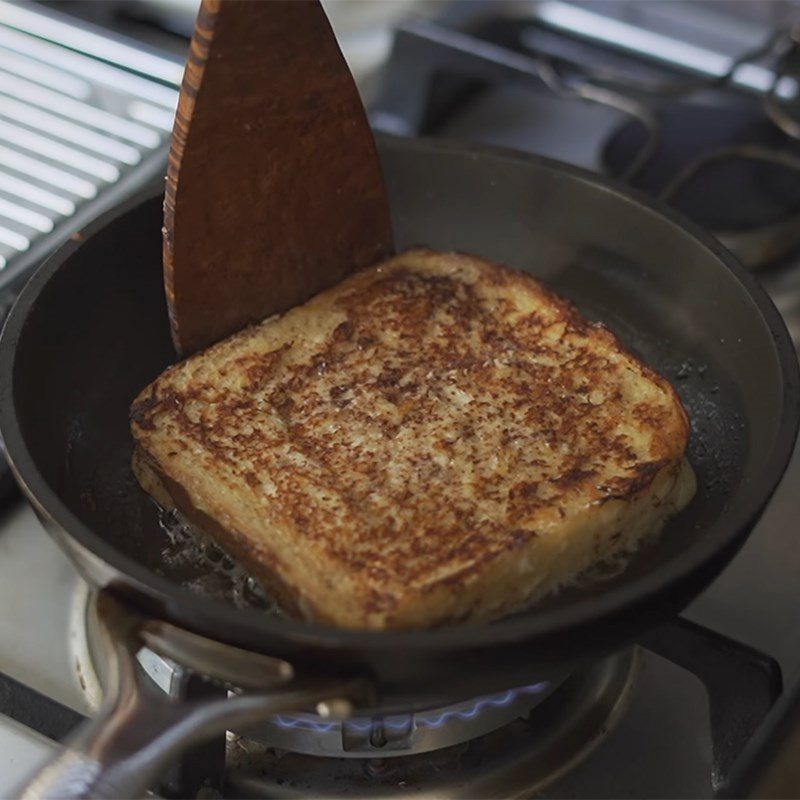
<point x="36" y="711"/>
<point x="95" y="326"/>
<point x="87" y="119"/>
<point x="732" y="154"/>
<point x="434" y="67"/>
<point x="203" y="765"/>
<point x="742" y="685"/>
<point x="769" y="765"/>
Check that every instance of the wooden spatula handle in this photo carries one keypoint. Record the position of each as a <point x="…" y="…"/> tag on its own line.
<point x="274" y="188"/>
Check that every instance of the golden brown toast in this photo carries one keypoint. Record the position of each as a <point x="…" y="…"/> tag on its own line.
<point x="435" y="438"/>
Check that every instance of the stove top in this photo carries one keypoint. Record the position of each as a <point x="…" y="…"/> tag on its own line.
<point x="698" y="106"/>
<point x="610" y="730"/>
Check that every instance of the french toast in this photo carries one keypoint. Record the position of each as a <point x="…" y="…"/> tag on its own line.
<point x="436" y="438"/>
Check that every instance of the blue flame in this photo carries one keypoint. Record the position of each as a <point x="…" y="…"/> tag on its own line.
<point x="424" y="719"/>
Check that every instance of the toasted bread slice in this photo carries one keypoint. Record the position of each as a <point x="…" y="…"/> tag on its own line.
<point x="436" y="438"/>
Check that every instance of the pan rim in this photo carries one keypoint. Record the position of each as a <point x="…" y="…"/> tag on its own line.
<point x="518" y="628"/>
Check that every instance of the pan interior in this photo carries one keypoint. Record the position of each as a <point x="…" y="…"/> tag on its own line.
<point x="98" y="333"/>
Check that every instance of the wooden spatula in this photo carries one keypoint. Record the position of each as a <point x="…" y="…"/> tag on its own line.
<point x="274" y="189"/>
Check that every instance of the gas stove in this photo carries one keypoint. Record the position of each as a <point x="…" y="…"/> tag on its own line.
<point x="695" y="105"/>
<point x="668" y="717"/>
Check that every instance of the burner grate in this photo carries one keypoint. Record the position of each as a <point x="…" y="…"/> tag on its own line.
<point x="434" y="70"/>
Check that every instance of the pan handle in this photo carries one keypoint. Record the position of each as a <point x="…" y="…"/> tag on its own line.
<point x="139" y="731"/>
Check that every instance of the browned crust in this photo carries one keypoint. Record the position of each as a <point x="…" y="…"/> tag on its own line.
<point x="262" y="564"/>
<point x="349" y="379"/>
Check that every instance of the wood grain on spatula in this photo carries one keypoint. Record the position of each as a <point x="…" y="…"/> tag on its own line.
<point x="274" y="188"/>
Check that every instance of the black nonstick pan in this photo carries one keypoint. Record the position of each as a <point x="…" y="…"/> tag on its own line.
<point x="91" y="329"/>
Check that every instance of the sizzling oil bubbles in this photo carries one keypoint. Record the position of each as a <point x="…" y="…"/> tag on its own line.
<point x="210" y="571"/>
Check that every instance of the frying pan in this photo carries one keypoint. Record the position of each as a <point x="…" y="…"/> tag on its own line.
<point x="91" y="329"/>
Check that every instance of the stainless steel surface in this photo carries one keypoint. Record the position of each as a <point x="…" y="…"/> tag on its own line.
<point x="517" y="760"/>
<point x="92" y="42"/>
<point x="703" y="39"/>
<point x="216" y="660"/>
<point x="71" y="126"/>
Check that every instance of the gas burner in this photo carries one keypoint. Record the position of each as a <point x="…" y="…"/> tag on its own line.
<point x="400" y="734"/>
<point x="505" y="744"/>
<point x="533" y="748"/>
<point x="728" y="168"/>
